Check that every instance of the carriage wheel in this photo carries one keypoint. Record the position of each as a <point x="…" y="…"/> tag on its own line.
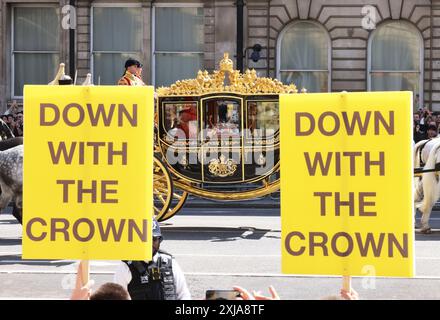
<point x="271" y="178"/>
<point x="162" y="189"/>
<point x="179" y="198"/>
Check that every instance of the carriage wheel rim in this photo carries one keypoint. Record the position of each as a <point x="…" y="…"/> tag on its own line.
<point x="162" y="189"/>
<point x="172" y="210"/>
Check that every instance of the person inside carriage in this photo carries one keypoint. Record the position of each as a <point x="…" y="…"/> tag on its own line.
<point x="222" y="119"/>
<point x="187" y="118"/>
<point x="181" y="121"/>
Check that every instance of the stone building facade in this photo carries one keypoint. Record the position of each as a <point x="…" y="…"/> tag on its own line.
<point x="330" y="45"/>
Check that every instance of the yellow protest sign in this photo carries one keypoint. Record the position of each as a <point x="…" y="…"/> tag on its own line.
<point x="346" y="184"/>
<point x="88" y="159"/>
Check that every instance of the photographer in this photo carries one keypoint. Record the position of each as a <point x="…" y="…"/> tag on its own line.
<point x="425" y="118"/>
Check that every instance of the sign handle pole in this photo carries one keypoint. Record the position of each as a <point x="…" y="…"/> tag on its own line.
<point x="346" y="283"/>
<point x="85" y="271"/>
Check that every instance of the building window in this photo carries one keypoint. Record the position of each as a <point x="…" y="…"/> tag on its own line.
<point x="116" y="36"/>
<point x="178" y="43"/>
<point x="303" y="51"/>
<point x="395" y="59"/>
<point x="35" y="46"/>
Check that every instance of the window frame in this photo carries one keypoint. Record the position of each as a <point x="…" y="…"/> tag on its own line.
<point x="12" y="48"/>
<point x="370" y="72"/>
<point x="109" y="5"/>
<point x="153" y="34"/>
<point x="329" y="52"/>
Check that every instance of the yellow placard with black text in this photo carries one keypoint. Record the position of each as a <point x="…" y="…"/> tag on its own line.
<point x="346" y="184"/>
<point x="88" y="161"/>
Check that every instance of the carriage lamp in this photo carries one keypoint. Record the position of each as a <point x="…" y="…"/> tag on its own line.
<point x="256" y="52"/>
<point x="255" y="55"/>
<point x="65" y="80"/>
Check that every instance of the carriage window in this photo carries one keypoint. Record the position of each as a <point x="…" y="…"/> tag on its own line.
<point x="222" y="117"/>
<point x="263" y="118"/>
<point x="180" y="119"/>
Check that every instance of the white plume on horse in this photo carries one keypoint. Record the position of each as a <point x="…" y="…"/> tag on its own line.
<point x="426" y="187"/>
<point x="11" y="176"/>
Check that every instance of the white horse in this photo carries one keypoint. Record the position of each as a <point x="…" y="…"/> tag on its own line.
<point x="426" y="187"/>
<point x="11" y="176"/>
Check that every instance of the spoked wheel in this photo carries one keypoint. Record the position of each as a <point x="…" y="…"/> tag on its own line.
<point x="162" y="189"/>
<point x="167" y="199"/>
<point x="273" y="177"/>
<point x="177" y="202"/>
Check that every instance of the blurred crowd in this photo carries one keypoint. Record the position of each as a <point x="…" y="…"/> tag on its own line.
<point x="13" y="117"/>
<point x="425" y="124"/>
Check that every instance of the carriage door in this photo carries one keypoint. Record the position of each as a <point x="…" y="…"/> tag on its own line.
<point x="222" y="128"/>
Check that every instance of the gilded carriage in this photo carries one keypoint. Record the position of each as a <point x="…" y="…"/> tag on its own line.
<point x="214" y="132"/>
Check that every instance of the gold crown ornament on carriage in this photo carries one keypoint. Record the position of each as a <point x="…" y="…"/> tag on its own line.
<point x="217" y="137"/>
<point x="235" y="82"/>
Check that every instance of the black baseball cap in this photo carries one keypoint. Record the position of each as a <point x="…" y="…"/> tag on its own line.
<point x="132" y="62"/>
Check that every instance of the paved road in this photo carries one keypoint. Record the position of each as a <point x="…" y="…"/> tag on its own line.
<point x="222" y="247"/>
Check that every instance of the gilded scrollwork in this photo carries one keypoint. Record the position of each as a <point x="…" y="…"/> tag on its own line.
<point x="247" y="83"/>
<point x="222" y="167"/>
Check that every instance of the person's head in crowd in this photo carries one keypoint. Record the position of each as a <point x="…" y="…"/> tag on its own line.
<point x="10" y="118"/>
<point x="429" y="112"/>
<point x="416" y="127"/>
<point x="432" y="131"/>
<point x="416" y="117"/>
<point x="110" y="291"/>
<point x="107" y="291"/>
<point x="429" y="119"/>
<point x="19" y="117"/>
<point x="5" y="118"/>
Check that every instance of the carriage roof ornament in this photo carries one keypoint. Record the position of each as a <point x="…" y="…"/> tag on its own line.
<point x="61" y="78"/>
<point x="88" y="80"/>
<point x="226" y="64"/>
<point x="242" y="83"/>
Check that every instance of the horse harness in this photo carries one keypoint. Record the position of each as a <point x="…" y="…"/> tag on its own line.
<point x="419" y="171"/>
